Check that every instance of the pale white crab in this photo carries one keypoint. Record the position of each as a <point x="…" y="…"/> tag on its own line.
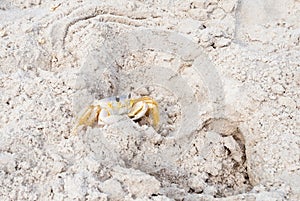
<point x="103" y="111"/>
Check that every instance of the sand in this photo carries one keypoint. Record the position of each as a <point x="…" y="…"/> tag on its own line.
<point x="226" y="76"/>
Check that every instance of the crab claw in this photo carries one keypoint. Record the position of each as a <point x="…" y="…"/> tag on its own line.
<point x="143" y="106"/>
<point x="138" y="110"/>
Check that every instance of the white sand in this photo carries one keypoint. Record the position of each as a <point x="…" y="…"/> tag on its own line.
<point x="226" y="75"/>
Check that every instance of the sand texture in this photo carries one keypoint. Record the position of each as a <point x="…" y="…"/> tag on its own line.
<point x="226" y="76"/>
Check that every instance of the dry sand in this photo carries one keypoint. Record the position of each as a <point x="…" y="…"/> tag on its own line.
<point x="226" y="74"/>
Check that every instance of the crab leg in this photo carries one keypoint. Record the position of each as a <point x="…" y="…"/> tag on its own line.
<point x="105" y="117"/>
<point x="88" y="118"/>
<point x="155" y="114"/>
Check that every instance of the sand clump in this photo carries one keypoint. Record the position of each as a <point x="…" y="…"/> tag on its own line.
<point x="226" y="75"/>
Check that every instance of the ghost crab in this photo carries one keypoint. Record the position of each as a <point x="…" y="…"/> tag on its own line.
<point x="103" y="111"/>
